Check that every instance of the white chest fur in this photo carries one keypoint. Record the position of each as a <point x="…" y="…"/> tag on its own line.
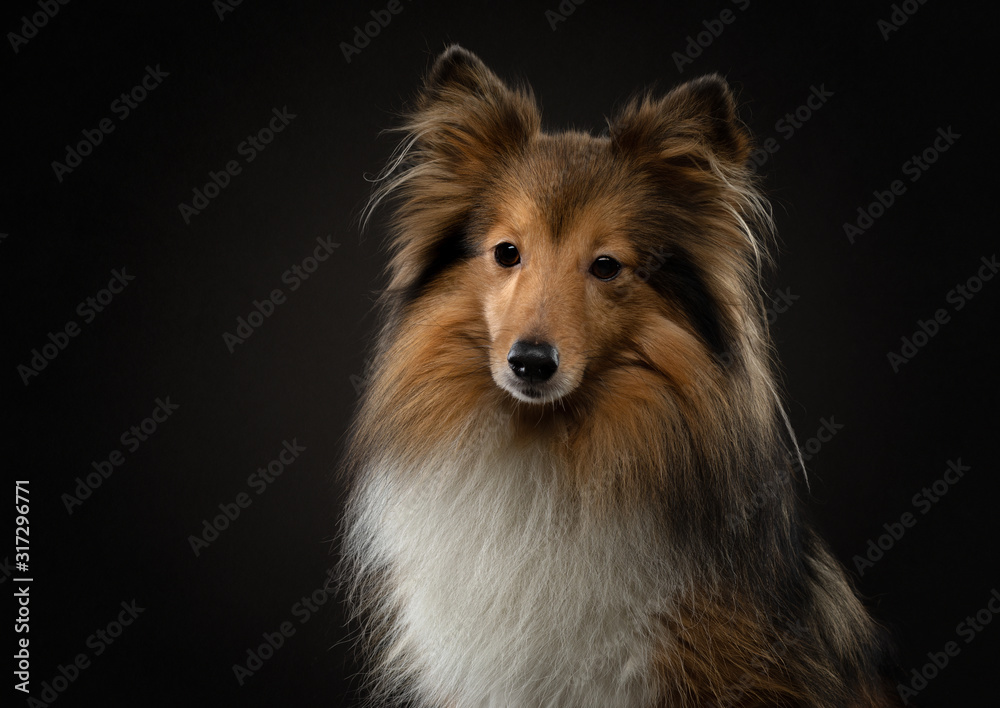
<point x="506" y="593"/>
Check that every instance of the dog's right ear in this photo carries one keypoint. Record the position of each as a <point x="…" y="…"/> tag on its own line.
<point x="464" y="124"/>
<point x="465" y="116"/>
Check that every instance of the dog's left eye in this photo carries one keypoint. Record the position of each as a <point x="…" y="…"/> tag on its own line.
<point x="605" y="268"/>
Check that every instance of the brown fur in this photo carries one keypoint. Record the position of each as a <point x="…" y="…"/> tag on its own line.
<point x="672" y="402"/>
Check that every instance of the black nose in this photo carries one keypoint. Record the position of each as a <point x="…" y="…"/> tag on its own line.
<point x="533" y="362"/>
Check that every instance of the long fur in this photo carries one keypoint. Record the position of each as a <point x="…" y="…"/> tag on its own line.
<point x="635" y="540"/>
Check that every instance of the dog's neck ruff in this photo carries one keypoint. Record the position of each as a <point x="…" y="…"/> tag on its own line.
<point x="503" y="590"/>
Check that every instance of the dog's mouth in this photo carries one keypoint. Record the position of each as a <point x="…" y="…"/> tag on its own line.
<point x="528" y="391"/>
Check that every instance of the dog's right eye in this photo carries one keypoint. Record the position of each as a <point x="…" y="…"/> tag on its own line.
<point x="506" y="254"/>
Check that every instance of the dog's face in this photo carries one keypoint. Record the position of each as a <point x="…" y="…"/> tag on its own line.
<point x="557" y="266"/>
<point x="594" y="263"/>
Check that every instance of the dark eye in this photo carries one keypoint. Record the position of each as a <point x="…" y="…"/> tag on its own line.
<point x="605" y="267"/>
<point x="507" y="255"/>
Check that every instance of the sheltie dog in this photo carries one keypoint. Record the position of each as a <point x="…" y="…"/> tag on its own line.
<point x="573" y="481"/>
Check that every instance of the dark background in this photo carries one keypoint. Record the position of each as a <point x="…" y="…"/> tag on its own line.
<point x="296" y="377"/>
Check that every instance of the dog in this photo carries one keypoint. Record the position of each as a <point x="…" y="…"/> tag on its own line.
<point x="573" y="482"/>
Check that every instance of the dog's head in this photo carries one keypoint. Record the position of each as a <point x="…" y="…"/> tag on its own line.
<point x="592" y="259"/>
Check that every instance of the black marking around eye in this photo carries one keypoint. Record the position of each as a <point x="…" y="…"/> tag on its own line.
<point x="451" y="248"/>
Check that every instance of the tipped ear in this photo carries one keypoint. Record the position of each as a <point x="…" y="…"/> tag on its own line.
<point x="695" y="118"/>
<point x="458" y="69"/>
<point x="465" y="115"/>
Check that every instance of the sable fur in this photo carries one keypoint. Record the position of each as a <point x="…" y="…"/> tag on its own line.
<point x="600" y="548"/>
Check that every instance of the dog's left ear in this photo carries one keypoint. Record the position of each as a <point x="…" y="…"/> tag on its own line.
<point x="697" y="119"/>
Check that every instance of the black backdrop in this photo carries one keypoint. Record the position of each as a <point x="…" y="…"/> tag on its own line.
<point x="214" y="77"/>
